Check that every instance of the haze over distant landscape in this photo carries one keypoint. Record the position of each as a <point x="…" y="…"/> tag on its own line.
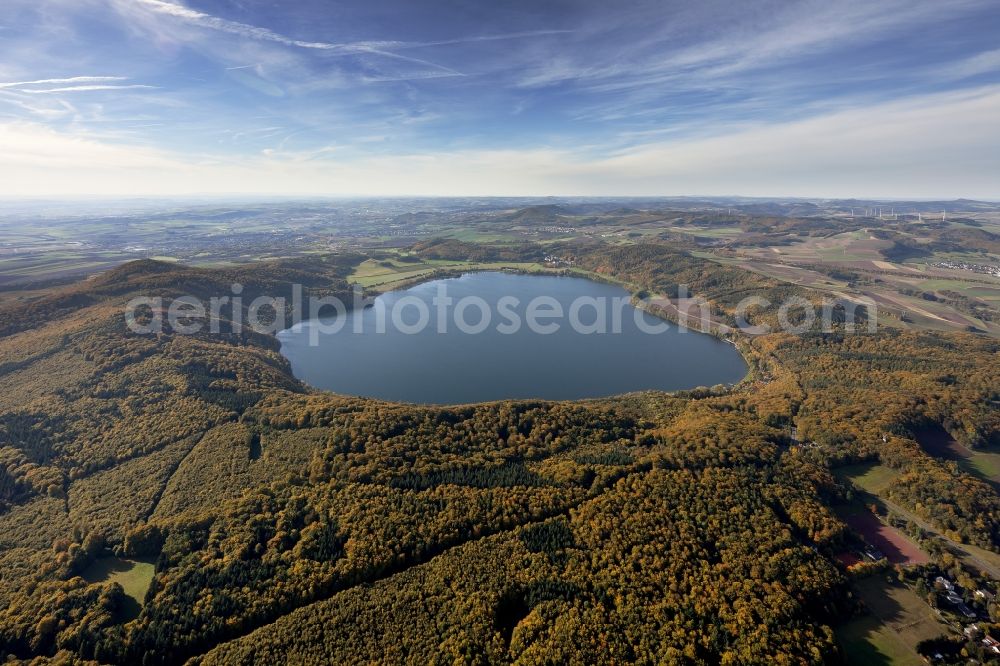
<point x="121" y="97"/>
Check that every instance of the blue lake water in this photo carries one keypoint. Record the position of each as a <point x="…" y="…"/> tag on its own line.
<point x="590" y="353"/>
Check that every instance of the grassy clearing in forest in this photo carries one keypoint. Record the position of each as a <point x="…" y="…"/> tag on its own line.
<point x="899" y="620"/>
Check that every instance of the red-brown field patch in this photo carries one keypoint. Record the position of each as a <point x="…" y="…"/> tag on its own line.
<point x="936" y="441"/>
<point x="893" y="544"/>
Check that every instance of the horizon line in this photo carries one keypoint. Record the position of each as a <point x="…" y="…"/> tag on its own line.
<point x="305" y="196"/>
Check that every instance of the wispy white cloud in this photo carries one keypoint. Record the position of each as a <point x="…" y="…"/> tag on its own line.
<point x="892" y="149"/>
<point x="71" y="80"/>
<point x="208" y="21"/>
<point x="374" y="46"/>
<point x="94" y="88"/>
<point x="414" y="76"/>
<point x="233" y="27"/>
<point x="755" y="39"/>
<point x="389" y="49"/>
<point x="52" y="110"/>
<point x="480" y="38"/>
<point x="982" y="63"/>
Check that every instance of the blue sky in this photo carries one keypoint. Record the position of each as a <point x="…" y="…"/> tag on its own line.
<point x="891" y="98"/>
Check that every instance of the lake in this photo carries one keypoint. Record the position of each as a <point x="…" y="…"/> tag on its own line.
<point x="493" y="336"/>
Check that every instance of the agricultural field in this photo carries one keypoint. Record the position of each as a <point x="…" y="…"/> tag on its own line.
<point x="477" y="236"/>
<point x="897" y="622"/>
<point x="853" y="247"/>
<point x="871" y="477"/>
<point x="725" y="232"/>
<point x="896" y="547"/>
<point x="379" y="275"/>
<point x="910" y="291"/>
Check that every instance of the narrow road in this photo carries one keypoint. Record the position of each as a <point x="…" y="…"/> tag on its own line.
<point x="974" y="555"/>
